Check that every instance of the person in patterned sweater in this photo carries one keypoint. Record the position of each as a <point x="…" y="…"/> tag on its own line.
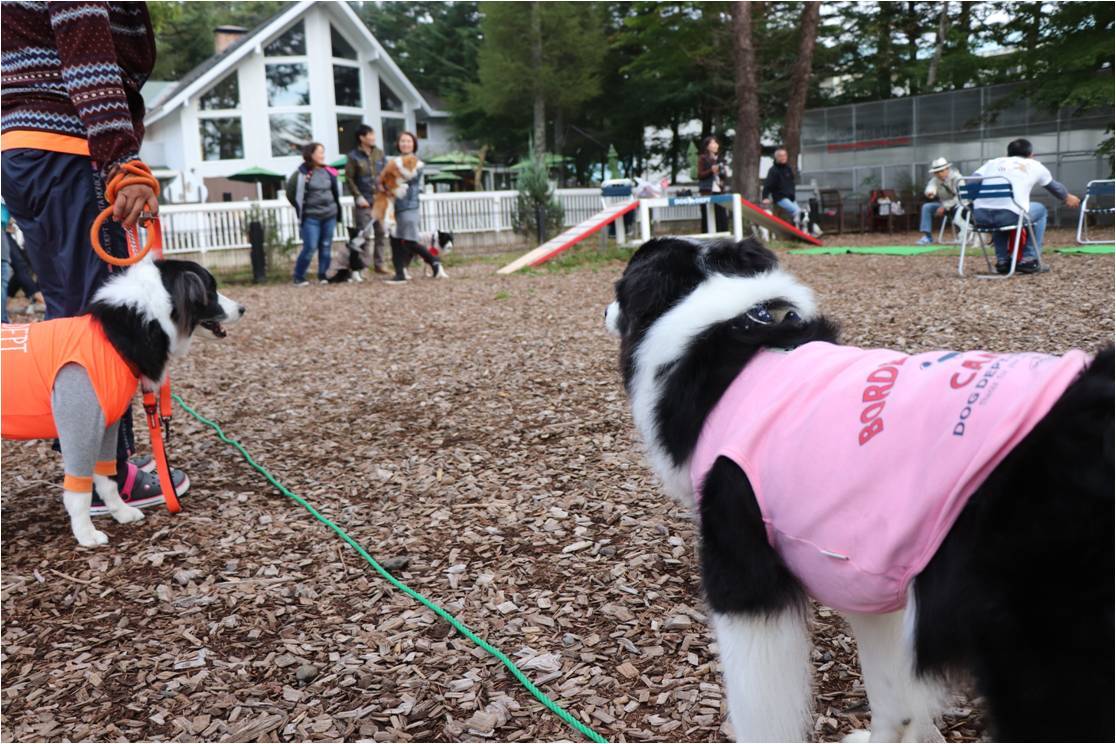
<point x="72" y="114"/>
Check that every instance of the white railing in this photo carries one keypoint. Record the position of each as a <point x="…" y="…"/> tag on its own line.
<point x="221" y="226"/>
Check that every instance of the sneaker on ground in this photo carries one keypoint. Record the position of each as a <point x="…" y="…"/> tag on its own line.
<point x="381" y="270"/>
<point x="925" y="240"/>
<point x="1032" y="267"/>
<point x="141" y="489"/>
<point x="323" y="281"/>
<point x="302" y="283"/>
<point x="1003" y="267"/>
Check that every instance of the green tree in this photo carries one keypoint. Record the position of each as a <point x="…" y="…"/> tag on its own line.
<point x="547" y="53"/>
<point x="184" y="30"/>
<point x="435" y="43"/>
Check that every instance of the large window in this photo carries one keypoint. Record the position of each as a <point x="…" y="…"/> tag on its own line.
<point x="388" y="100"/>
<point x="288" y="84"/>
<point x="346" y="86"/>
<point x="291" y="43"/>
<point x="392" y="127"/>
<point x="223" y="95"/>
<point x="347" y="125"/>
<point x="289" y="132"/>
<point x="342" y="49"/>
<point x="221" y="138"/>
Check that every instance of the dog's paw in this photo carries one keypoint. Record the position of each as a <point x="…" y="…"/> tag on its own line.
<point x="91" y="538"/>
<point x="858" y="736"/>
<point x="127" y="514"/>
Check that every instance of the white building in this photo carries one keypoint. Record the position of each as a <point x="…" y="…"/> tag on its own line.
<point x="313" y="72"/>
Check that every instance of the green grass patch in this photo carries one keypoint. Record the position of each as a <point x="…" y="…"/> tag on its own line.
<point x="1097" y="249"/>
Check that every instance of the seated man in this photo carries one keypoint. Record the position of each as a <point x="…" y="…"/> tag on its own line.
<point x="942" y="191"/>
<point x="1024" y="173"/>
<point x="778" y="186"/>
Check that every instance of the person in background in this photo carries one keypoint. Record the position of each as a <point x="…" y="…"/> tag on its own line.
<point x="73" y="114"/>
<point x="711" y="181"/>
<point x="21" y="276"/>
<point x="941" y="190"/>
<point x="405" y="238"/>
<point x="314" y="192"/>
<point x="1024" y="173"/>
<point x="360" y="179"/>
<point x="778" y="187"/>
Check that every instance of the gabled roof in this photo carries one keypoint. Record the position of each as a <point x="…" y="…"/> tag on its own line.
<point x="204" y="75"/>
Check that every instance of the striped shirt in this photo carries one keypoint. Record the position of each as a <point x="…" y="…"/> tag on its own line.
<point x="72" y="73"/>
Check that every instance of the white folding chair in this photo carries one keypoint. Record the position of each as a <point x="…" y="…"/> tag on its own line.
<point x="1095" y="190"/>
<point x="990" y="187"/>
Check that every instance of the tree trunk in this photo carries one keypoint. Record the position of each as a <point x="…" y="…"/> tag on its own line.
<point x="746" y="148"/>
<point x="674" y="150"/>
<point x="885" y="60"/>
<point x="536" y="65"/>
<point x="478" y="172"/>
<point x="939" y="44"/>
<point x="800" y="80"/>
<point x="560" y="143"/>
<point x="912" y="29"/>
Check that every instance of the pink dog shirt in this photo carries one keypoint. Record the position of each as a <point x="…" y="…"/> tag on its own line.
<point x="861" y="460"/>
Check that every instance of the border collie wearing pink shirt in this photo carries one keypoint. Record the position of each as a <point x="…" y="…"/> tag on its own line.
<point x="955" y="507"/>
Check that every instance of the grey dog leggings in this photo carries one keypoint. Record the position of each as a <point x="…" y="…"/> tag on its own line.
<point x="84" y="439"/>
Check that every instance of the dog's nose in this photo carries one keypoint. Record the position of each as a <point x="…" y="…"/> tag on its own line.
<point x="240" y="309"/>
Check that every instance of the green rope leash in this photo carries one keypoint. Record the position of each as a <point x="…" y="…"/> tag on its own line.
<point x="496" y="653"/>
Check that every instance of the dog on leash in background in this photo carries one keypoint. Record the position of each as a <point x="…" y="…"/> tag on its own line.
<point x="956" y="508"/>
<point x="394" y="177"/>
<point x="73" y="378"/>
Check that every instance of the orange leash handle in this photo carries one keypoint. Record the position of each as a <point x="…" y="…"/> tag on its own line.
<point x="130" y="173"/>
<point x="154" y="426"/>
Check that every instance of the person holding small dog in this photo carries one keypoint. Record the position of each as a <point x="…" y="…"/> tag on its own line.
<point x="73" y="114"/>
<point x="405" y="238"/>
<point x="316" y="197"/>
<point x="360" y="179"/>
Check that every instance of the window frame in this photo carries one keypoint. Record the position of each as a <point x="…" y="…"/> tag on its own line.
<point x="219" y="114"/>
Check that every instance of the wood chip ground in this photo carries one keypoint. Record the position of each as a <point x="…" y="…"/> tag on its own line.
<point x="475" y="432"/>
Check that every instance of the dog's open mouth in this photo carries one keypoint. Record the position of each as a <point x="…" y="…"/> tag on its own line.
<point x="215" y="328"/>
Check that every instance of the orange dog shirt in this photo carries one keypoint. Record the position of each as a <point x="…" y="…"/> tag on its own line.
<point x="32" y="354"/>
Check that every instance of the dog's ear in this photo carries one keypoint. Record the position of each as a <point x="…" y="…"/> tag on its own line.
<point x="188" y="298"/>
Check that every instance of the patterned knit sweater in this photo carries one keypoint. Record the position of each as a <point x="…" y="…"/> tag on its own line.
<point x="72" y="73"/>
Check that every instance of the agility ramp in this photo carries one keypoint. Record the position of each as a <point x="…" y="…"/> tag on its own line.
<point x="572" y="236"/>
<point x="758" y="215"/>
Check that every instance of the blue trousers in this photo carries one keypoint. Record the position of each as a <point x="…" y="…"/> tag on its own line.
<point x="1003" y="239"/>
<point x="54" y="198"/>
<point x="316" y="235"/>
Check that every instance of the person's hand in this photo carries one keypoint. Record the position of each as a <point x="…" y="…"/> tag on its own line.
<point x="939" y="211"/>
<point x="1072" y="201"/>
<point x="930" y="194"/>
<point x="131" y="201"/>
<point x="766" y="201"/>
<point x="716" y="169"/>
<point x="362" y="202"/>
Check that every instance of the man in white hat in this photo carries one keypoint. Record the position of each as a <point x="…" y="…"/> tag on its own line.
<point x="942" y="193"/>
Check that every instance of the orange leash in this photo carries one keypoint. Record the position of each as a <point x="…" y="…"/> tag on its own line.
<point x="158" y="410"/>
<point x="155" y="424"/>
<point x="131" y="173"/>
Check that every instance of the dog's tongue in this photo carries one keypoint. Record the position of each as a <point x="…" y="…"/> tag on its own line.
<point x="216" y="329"/>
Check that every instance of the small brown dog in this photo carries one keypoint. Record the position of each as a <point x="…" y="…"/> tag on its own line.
<point x="393" y="179"/>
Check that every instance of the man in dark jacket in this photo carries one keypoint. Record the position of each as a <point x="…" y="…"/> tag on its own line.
<point x="778" y="186"/>
<point x="73" y="114"/>
<point x="360" y="179"/>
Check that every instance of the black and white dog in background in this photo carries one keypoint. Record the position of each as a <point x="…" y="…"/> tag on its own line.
<point x="1018" y="593"/>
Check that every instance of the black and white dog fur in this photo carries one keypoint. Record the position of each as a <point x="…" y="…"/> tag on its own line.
<point x="149" y="313"/>
<point x="1019" y="596"/>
